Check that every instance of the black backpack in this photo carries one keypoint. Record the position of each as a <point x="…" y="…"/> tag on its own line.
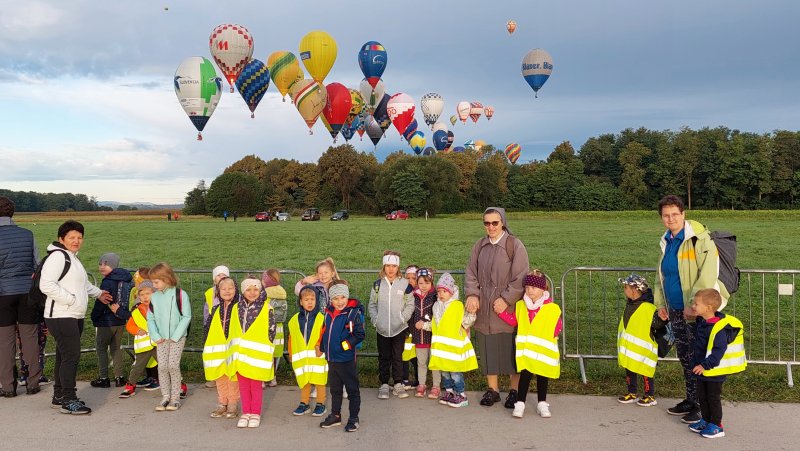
<point x="726" y="248"/>
<point x="179" y="301"/>
<point x="37" y="299"/>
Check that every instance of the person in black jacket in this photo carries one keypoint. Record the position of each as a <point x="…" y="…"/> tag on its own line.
<point x="109" y="317"/>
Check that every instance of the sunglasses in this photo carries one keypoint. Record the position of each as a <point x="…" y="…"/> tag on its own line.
<point x="491" y="223"/>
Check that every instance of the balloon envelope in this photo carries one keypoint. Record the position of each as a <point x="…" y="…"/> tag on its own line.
<point x="374" y="130"/>
<point x="475" y="111"/>
<point x="513" y="151"/>
<point x="357" y="105"/>
<point x="417" y="142"/>
<point x="381" y="115"/>
<point x="400" y="109"/>
<point x="372" y="96"/>
<point x="511" y="26"/>
<point x="453" y="119"/>
<point x="283" y="69"/>
<point x="462" y="110"/>
<point x="458" y="149"/>
<point x="411" y="128"/>
<point x="488" y="111"/>
<point x="372" y="59"/>
<point x="231" y="47"/>
<point x="440" y="139"/>
<point x="450" y="138"/>
<point x="253" y="83"/>
<point x="337" y="106"/>
<point x="318" y="53"/>
<point x="537" y="66"/>
<point x="198" y="89"/>
<point x="429" y="151"/>
<point x="309" y="98"/>
<point x="439" y="126"/>
<point x="432" y="105"/>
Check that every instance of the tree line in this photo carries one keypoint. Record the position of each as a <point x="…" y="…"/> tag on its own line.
<point x="29" y="201"/>
<point x="712" y="168"/>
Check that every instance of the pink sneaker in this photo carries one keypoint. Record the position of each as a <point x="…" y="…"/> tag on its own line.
<point x="434" y="393"/>
<point x="420" y="393"/>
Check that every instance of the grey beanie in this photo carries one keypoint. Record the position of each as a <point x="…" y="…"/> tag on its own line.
<point x="339" y="289"/>
<point x="146" y="284"/>
<point x="110" y="259"/>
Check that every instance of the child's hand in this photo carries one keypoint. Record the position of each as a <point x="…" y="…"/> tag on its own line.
<point x="698" y="370"/>
<point x="114" y="308"/>
<point x="499" y="307"/>
<point x="317" y="351"/>
<point x="141" y="332"/>
<point x="418" y="325"/>
<point x="158" y="342"/>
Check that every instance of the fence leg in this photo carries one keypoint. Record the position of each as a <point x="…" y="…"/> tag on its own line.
<point x="583" y="371"/>
<point x="789" y="375"/>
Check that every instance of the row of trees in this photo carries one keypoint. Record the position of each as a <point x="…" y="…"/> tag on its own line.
<point x="713" y="168"/>
<point x="29" y="201"/>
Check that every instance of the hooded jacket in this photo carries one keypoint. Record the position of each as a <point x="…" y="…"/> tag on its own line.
<point x="702" y="333"/>
<point x="102" y="316"/>
<point x="423" y="307"/>
<point x="491" y="274"/>
<point x="69" y="297"/>
<point x="306" y="319"/>
<point x="345" y="326"/>
<point x="391" y="306"/>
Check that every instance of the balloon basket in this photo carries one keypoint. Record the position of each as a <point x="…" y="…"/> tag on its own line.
<point x="199" y="137"/>
<point x="231" y="89"/>
<point x="283" y="99"/>
<point x="252" y="115"/>
<point x="310" y="132"/>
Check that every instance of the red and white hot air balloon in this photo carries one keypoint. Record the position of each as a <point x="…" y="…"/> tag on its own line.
<point x="462" y="110"/>
<point x="231" y="46"/>
<point x="400" y="109"/>
<point x="511" y="26"/>
<point x="475" y="111"/>
<point x="488" y="111"/>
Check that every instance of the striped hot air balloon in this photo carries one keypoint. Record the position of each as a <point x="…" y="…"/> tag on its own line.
<point x="253" y="83"/>
<point x="309" y="98"/>
<point x="513" y="151"/>
<point x="400" y="109"/>
<point x="283" y="69"/>
<point x="488" y="111"/>
<point x="475" y="111"/>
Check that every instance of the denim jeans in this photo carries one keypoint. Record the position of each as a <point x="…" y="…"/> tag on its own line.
<point x="453" y="381"/>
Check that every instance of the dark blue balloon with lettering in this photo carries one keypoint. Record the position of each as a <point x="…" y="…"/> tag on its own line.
<point x="440" y="140"/>
<point x="372" y="60"/>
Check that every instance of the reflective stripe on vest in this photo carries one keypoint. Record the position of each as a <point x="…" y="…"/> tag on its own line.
<point x="141" y="343"/>
<point x="279" y="340"/>
<point x="308" y="368"/>
<point x="451" y="348"/>
<point x="251" y="351"/>
<point x="636" y="350"/>
<point x="217" y="351"/>
<point x="409" y="350"/>
<point x="537" y="349"/>
<point x="734" y="359"/>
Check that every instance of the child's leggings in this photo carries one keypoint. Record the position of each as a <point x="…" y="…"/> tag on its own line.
<point x="423" y="356"/>
<point x="631" y="380"/>
<point x="251" y="392"/>
<point x="169" y="368"/>
<point x="525" y="378"/>
<point x="227" y="392"/>
<point x="305" y="393"/>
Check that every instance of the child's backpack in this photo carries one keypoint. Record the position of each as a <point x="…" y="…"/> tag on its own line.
<point x="37" y="299"/>
<point x="123" y="295"/>
<point x="726" y="248"/>
<point x="179" y="301"/>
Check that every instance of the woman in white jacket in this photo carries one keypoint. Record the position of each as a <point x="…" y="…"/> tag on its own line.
<point x="65" y="310"/>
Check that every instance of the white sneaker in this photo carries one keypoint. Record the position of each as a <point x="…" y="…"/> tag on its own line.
<point x="519" y="409"/>
<point x="543" y="409"/>
<point x="400" y="391"/>
<point x="243" y="420"/>
<point x="383" y="391"/>
<point x="254" y="421"/>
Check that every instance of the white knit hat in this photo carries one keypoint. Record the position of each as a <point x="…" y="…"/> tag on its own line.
<point x="221" y="269"/>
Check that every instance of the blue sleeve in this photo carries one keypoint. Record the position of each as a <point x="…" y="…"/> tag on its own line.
<point x="717" y="351"/>
<point x="358" y="329"/>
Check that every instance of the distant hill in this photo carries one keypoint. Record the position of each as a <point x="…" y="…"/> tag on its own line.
<point x="140" y="205"/>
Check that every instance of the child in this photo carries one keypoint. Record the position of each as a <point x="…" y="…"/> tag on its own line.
<point x="451" y="348"/>
<point x="718" y="351"/>
<point x="342" y="332"/>
<point x="167" y="323"/>
<point x="253" y="328"/>
<point x="424" y="299"/>
<point x="218" y="273"/>
<point x="109" y="318"/>
<point x="637" y="350"/>
<point x="325" y="273"/>
<point x="305" y="333"/>
<point x="143" y="346"/>
<point x="271" y="281"/>
<point x="538" y="323"/>
<point x="391" y="305"/>
<point x="217" y="349"/>
<point x="409" y="351"/>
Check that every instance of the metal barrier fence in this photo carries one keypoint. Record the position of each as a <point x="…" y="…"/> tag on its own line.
<point x="592" y="303"/>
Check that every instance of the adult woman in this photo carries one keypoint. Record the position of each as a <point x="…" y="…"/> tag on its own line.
<point x="494" y="276"/>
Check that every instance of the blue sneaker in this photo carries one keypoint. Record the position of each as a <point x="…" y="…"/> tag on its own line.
<point x="75" y="407"/>
<point x="154" y="385"/>
<point x="302" y="409"/>
<point x="713" y="431"/>
<point x="319" y="410"/>
<point x="699" y="426"/>
<point x="144" y="382"/>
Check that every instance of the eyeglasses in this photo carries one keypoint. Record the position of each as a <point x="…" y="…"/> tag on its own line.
<point x="491" y="223"/>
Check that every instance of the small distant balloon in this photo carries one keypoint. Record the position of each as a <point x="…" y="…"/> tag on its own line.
<point x="511" y="26"/>
<point x="417" y="142"/>
<point x="488" y="111"/>
<point x="453" y="119"/>
<point x="513" y="151"/>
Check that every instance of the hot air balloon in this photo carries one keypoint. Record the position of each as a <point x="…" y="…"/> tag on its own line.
<point x="450" y="138"/>
<point x="309" y="98"/>
<point x="429" y="151"/>
<point x="479" y="144"/>
<point x="537" y="66"/>
<point x="231" y="46"/>
<point x="347" y="132"/>
<point x="318" y="53"/>
<point x="513" y="152"/>
<point x="469" y="145"/>
<point x="400" y="109"/>
<point x="439" y="126"/>
<point x="417" y="142"/>
<point x="362" y="124"/>
<point x="459" y="149"/>
<point x="453" y="119"/>
<point x="381" y="115"/>
<point x="475" y="111"/>
<point x="488" y="111"/>
<point x="432" y="105"/>
<point x="462" y="109"/>
<point x="440" y="140"/>
<point x="283" y="69"/>
<point x="253" y="83"/>
<point x="374" y="130"/>
<point x="337" y="107"/>
<point x="328" y="127"/>
<point x="411" y="128"/>
<point x="372" y="59"/>
<point x="511" y="26"/>
<point x="198" y="89"/>
<point x="357" y="105"/>
<point x="372" y="96"/>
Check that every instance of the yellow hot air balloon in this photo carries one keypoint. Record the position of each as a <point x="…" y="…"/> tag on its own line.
<point x="283" y="69"/>
<point x="318" y="53"/>
<point x="309" y="98"/>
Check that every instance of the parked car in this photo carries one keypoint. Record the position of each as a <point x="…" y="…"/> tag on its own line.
<point x="397" y="214"/>
<point x="283" y="216"/>
<point x="263" y="216"/>
<point x="311" y="214"/>
<point x="340" y="215"/>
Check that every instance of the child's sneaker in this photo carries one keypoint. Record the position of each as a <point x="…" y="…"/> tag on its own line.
<point x="76" y="407"/>
<point x="162" y="406"/>
<point x="331" y="421"/>
<point x="647" y="401"/>
<point x="153" y="385"/>
<point x="243" y="421"/>
<point x="220" y="411"/>
<point x="519" y="409"/>
<point x="232" y="411"/>
<point x="129" y="391"/>
<point x="407" y="385"/>
<point x="319" y="410"/>
<point x="383" y="391"/>
<point x="712" y="431"/>
<point x="698" y="426"/>
<point x="627" y="398"/>
<point x="543" y="409"/>
<point x="352" y="425"/>
<point x="144" y="382"/>
<point x="434" y="393"/>
<point x="302" y="409"/>
<point x="173" y="406"/>
<point x="101" y="382"/>
<point x="420" y="393"/>
<point x="120" y="381"/>
<point x="273" y="383"/>
<point x="56" y="402"/>
<point x="44" y="380"/>
<point x="458" y="400"/>
<point x="400" y="391"/>
<point x="254" y="421"/>
<point x="447" y="395"/>
<point x="184" y="390"/>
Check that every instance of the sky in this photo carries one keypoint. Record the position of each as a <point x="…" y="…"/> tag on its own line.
<point x="88" y="104"/>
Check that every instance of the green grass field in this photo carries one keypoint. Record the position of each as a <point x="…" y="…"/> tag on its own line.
<point x="555" y="242"/>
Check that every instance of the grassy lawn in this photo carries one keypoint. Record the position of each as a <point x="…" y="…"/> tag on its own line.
<point x="555" y="242"/>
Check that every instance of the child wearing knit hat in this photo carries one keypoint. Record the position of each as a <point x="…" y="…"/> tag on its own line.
<point x="144" y="349"/>
<point x="109" y="318"/>
<point x="538" y="323"/>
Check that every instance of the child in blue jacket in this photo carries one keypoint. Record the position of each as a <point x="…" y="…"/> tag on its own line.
<point x="343" y="331"/>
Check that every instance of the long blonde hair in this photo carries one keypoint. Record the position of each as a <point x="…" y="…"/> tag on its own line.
<point x="329" y="263"/>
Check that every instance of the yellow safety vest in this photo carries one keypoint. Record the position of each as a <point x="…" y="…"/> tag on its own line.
<point x="409" y="350"/>
<point x="451" y="349"/>
<point x="142" y="343"/>
<point x="636" y="350"/>
<point x="537" y="349"/>
<point x="217" y="351"/>
<point x="279" y="341"/>
<point x="308" y="368"/>
<point x="210" y="298"/>
<point x="252" y="351"/>
<point x="734" y="360"/>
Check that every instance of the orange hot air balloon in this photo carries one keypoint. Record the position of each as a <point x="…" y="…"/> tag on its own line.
<point x="511" y="26"/>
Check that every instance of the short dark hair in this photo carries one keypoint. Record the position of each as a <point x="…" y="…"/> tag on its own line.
<point x="7" y="207"/>
<point x="69" y="226"/>
<point x="671" y="200"/>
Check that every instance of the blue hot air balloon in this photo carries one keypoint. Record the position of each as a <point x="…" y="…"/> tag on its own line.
<point x="253" y="83"/>
<point x="410" y="130"/>
<point x="458" y="149"/>
<point x="537" y="66"/>
<point x="372" y="60"/>
<point x="440" y="140"/>
<point x="381" y="115"/>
